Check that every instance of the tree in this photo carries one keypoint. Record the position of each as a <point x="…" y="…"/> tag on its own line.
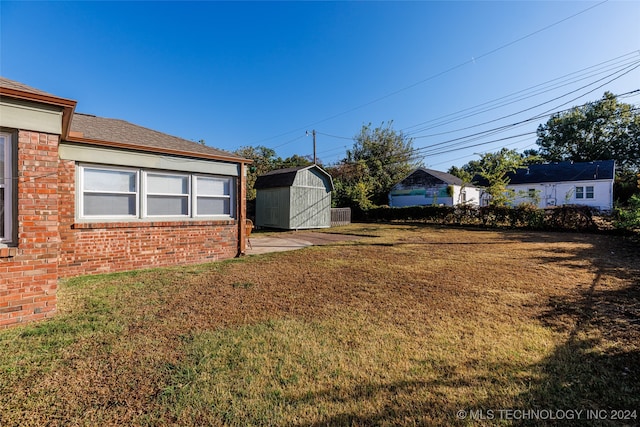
<point x="352" y="185"/>
<point x="383" y="158"/>
<point x="494" y="169"/>
<point x="601" y="130"/>
<point x="265" y="160"/>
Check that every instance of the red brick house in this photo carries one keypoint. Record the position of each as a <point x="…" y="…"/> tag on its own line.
<point x="81" y="194"/>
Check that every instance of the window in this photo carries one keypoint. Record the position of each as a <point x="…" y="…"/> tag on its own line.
<point x="213" y="196"/>
<point x="6" y="188"/>
<point x="589" y="191"/>
<point x="581" y="193"/>
<point x="112" y="193"/>
<point x="167" y="195"/>
<point x="108" y="192"/>
<point x="532" y="193"/>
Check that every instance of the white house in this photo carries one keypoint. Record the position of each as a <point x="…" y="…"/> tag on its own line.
<point x="431" y="187"/>
<point x="565" y="183"/>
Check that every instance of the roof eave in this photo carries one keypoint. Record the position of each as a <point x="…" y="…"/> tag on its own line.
<point x="68" y="105"/>
<point x="125" y="146"/>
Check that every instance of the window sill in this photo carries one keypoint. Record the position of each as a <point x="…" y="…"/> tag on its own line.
<point x="151" y="224"/>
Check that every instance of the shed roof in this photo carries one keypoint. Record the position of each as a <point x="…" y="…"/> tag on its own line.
<point x="286" y="177"/>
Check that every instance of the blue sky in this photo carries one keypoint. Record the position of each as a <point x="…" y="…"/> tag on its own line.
<point x="243" y="73"/>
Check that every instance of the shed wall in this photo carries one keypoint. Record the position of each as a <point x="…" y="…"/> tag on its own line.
<point x="272" y="207"/>
<point x="310" y="208"/>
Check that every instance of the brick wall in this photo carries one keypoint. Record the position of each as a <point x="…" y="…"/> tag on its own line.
<point x="29" y="271"/>
<point x="52" y="245"/>
<point x="90" y="248"/>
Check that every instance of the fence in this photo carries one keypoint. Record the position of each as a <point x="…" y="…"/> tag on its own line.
<point x="340" y="216"/>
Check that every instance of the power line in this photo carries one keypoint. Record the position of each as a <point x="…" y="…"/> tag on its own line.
<point x="442" y="123"/>
<point x="434" y="76"/>
<point x="421" y="153"/>
<point x="620" y="66"/>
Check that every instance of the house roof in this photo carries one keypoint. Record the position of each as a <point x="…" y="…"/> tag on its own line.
<point x="286" y="177"/>
<point x="16" y="90"/>
<point x="564" y="172"/>
<point x="88" y="129"/>
<point x="122" y="134"/>
<point x="12" y="84"/>
<point x="559" y="172"/>
<point x="445" y="177"/>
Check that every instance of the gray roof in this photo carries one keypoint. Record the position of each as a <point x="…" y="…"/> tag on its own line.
<point x="564" y="172"/>
<point x="12" y="84"/>
<point x="123" y="132"/>
<point x="285" y="177"/>
<point x="419" y="173"/>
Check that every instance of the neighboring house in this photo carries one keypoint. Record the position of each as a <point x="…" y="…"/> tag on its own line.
<point x="565" y="183"/>
<point x="294" y="198"/>
<point x="81" y="194"/>
<point x="431" y="187"/>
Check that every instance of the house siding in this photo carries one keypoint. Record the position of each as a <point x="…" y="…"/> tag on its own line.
<point x="29" y="270"/>
<point x="563" y="193"/>
<point x="422" y="188"/>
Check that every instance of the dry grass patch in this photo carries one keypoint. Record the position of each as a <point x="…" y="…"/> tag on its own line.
<point x="403" y="327"/>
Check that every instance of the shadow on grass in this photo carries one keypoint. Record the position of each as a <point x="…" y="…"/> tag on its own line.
<point x="598" y="366"/>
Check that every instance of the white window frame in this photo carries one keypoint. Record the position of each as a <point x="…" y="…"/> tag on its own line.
<point x="7" y="188"/>
<point x="585" y="192"/>
<point x="589" y="192"/>
<point x="82" y="192"/>
<point x="146" y="193"/>
<point x="142" y="195"/>
<point x="230" y="196"/>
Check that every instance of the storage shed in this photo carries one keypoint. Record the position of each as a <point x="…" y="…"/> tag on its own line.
<point x="294" y="198"/>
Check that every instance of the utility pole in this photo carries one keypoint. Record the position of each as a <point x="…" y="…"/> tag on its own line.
<point x="313" y="132"/>
<point x="314" y="147"/>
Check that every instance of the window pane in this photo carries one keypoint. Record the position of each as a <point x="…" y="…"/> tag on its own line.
<point x="214" y="206"/>
<point x="109" y="204"/>
<point x="590" y="192"/>
<point x="2" y="236"/>
<point x="109" y="180"/>
<point x="2" y="159"/>
<point x="579" y="192"/>
<point x="167" y="184"/>
<point x="213" y="187"/>
<point x="167" y="205"/>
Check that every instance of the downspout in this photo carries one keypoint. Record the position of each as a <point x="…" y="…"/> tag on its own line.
<point x="242" y="211"/>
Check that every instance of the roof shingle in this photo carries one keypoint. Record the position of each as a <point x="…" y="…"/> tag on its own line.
<point x="120" y="131"/>
<point x="12" y="84"/>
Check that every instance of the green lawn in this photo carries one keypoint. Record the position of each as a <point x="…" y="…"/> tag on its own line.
<point x="407" y="326"/>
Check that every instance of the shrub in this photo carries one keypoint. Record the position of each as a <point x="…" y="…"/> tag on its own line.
<point x="629" y="217"/>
